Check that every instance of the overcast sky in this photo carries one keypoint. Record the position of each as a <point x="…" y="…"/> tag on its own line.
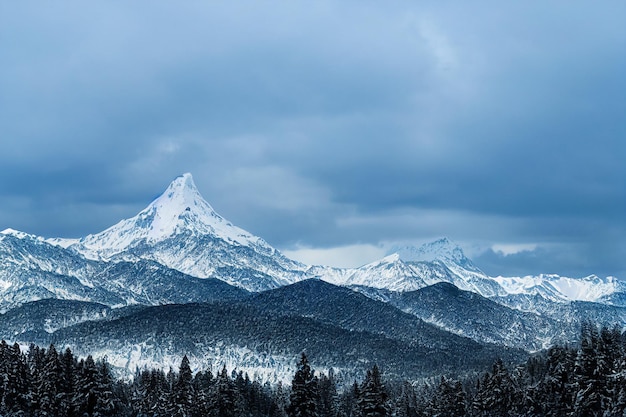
<point x="333" y="129"/>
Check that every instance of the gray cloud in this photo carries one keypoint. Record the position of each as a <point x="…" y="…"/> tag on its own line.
<point x="325" y="124"/>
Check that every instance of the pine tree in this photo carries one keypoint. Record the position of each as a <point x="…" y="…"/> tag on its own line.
<point x="158" y="393"/>
<point x="94" y="389"/>
<point x="17" y="395"/>
<point x="327" y="394"/>
<point x="67" y="381"/>
<point x="203" y="388"/>
<point x="348" y="406"/>
<point x="49" y="383"/>
<point x="245" y="397"/>
<point x="35" y="360"/>
<point x="106" y="401"/>
<point x="553" y="396"/>
<point x="304" y="391"/>
<point x="84" y="400"/>
<point x="494" y="394"/>
<point x="182" y="391"/>
<point x="448" y="400"/>
<point x="373" y="399"/>
<point x="140" y="389"/>
<point x="587" y="374"/>
<point x="225" y="400"/>
<point x="280" y="401"/>
<point x="4" y="375"/>
<point x="406" y="404"/>
<point x="618" y="379"/>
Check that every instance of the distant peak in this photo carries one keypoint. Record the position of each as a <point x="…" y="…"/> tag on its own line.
<point x="394" y="257"/>
<point x="442" y="250"/>
<point x="16" y="233"/>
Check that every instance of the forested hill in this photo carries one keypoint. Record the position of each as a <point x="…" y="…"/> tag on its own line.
<point x="587" y="381"/>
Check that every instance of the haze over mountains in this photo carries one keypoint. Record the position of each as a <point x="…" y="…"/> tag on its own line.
<point x="250" y="306"/>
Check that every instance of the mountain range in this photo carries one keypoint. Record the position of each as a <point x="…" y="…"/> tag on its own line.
<point x="179" y="278"/>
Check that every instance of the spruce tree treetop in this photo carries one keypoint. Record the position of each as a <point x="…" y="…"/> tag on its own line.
<point x="373" y="398"/>
<point x="304" y="391"/>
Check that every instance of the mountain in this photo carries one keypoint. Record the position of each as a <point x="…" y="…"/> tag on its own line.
<point x="440" y="250"/>
<point x="180" y="230"/>
<point x="353" y="311"/>
<point x="261" y="334"/>
<point x="34" y="320"/>
<point x="409" y="269"/>
<point x="32" y="269"/>
<point x="264" y="337"/>
<point x="564" y="289"/>
<point x="472" y="315"/>
<point x="171" y="279"/>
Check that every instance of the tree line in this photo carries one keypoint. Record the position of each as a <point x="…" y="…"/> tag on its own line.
<point x="586" y="380"/>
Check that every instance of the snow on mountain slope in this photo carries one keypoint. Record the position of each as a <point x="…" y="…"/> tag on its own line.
<point x="408" y="268"/>
<point x="181" y="230"/>
<point x="180" y="209"/>
<point x="32" y="269"/>
<point x="390" y="273"/>
<point x="562" y="289"/>
<point x="440" y="250"/>
<point x="460" y="270"/>
<point x="64" y="243"/>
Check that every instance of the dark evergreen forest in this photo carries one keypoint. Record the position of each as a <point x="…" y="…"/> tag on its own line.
<point x="586" y="380"/>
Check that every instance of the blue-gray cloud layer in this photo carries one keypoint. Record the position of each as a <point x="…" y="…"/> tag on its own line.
<point x="328" y="123"/>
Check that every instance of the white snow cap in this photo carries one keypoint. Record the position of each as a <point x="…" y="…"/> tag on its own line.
<point x="13" y="232"/>
<point x="18" y="234"/>
<point x="180" y="209"/>
<point x="443" y="249"/>
<point x="179" y="199"/>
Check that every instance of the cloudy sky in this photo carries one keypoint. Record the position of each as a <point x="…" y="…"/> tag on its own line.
<point x="333" y="129"/>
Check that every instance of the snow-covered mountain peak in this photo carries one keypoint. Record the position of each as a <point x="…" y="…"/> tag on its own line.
<point x="13" y="232"/>
<point x="389" y="259"/>
<point x="182" y="195"/>
<point x="440" y="250"/>
<point x="559" y="288"/>
<point x="181" y="205"/>
<point x="180" y="210"/>
<point x="20" y="235"/>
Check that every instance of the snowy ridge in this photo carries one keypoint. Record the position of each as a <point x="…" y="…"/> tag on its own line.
<point x="16" y="233"/>
<point x="169" y="253"/>
<point x="64" y="243"/>
<point x="409" y="268"/>
<point x="560" y="289"/>
<point x="440" y="250"/>
<point x="180" y="230"/>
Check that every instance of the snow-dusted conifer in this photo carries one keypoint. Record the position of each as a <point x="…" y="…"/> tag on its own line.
<point x="373" y="399"/>
<point x="304" y="396"/>
<point x="182" y="391"/>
